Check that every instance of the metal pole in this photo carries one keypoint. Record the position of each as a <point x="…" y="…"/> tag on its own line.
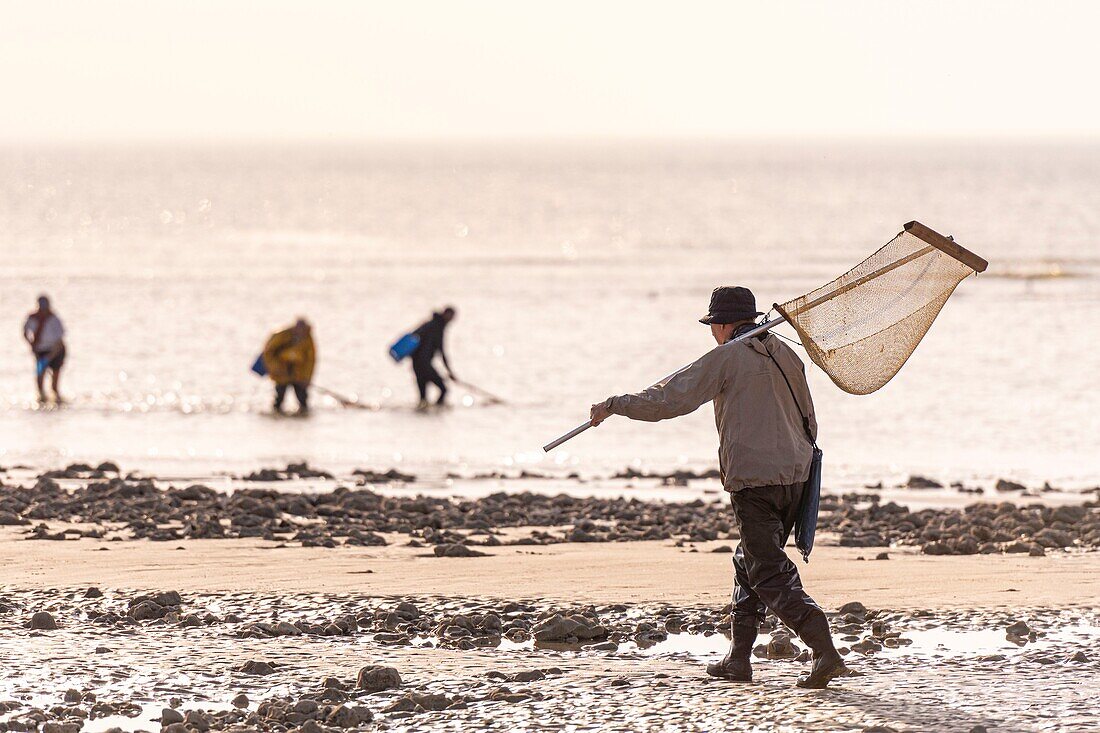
<point x="765" y="326"/>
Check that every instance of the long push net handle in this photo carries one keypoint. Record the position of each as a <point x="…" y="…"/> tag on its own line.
<point x="765" y="326"/>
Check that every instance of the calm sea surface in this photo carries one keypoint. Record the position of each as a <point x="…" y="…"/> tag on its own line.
<point x="578" y="272"/>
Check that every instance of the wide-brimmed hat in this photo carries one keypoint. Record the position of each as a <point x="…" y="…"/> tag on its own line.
<point x="730" y="305"/>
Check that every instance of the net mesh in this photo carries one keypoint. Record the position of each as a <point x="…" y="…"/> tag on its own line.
<point x="862" y="327"/>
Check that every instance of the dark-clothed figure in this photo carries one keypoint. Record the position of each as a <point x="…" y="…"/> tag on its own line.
<point x="45" y="333"/>
<point x="431" y="343"/>
<point x="289" y="356"/>
<point x="764" y="457"/>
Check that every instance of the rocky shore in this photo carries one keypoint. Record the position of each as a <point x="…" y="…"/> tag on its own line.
<point x="110" y="506"/>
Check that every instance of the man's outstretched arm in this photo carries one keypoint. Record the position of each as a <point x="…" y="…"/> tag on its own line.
<point x="683" y="392"/>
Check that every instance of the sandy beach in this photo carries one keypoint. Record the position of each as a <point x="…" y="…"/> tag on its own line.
<point x="634" y="572"/>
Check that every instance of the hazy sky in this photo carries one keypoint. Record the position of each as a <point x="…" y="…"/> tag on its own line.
<point x="417" y="68"/>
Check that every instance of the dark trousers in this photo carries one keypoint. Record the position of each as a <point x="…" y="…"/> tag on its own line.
<point x="425" y="375"/>
<point x="301" y="391"/>
<point x="764" y="577"/>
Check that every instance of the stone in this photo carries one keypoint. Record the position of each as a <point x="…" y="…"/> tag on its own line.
<point x="196" y="720"/>
<point x="431" y="701"/>
<point x="169" y="716"/>
<point x="377" y="678"/>
<point x="257" y="668"/>
<point x="407" y="611"/>
<point x="285" y="628"/>
<point x="563" y="628"/>
<point x="866" y="646"/>
<point x="1005" y="485"/>
<point x="240" y="701"/>
<point x="1078" y="656"/>
<point x="780" y="647"/>
<point x="853" y="607"/>
<point x="457" y="550"/>
<point x="44" y="621"/>
<point x="344" y="716"/>
<point x="72" y="696"/>
<point x="1019" y="628"/>
<point x="1053" y="538"/>
<point x="937" y="548"/>
<point x="93" y="592"/>
<point x="147" y="610"/>
<point x="57" y="727"/>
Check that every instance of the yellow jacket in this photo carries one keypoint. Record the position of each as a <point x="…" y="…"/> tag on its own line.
<point x="288" y="362"/>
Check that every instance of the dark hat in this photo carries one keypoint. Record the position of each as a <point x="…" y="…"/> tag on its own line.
<point x="730" y="305"/>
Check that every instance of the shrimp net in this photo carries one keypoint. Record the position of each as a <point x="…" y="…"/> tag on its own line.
<point x="862" y="327"/>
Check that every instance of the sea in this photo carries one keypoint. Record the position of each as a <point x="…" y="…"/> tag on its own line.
<point x="578" y="270"/>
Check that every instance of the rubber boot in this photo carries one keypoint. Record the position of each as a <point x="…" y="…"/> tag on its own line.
<point x="827" y="662"/>
<point x="736" y="666"/>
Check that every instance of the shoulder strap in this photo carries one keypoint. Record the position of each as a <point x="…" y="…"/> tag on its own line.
<point x="805" y="418"/>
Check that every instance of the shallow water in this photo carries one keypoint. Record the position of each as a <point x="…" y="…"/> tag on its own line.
<point x="578" y="271"/>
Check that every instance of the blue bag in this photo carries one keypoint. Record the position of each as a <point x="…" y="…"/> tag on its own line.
<point x="259" y="367"/>
<point x="41" y="363"/>
<point x="404" y="346"/>
<point x="805" y="524"/>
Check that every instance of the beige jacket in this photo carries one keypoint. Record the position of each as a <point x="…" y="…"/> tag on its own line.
<point x="762" y="441"/>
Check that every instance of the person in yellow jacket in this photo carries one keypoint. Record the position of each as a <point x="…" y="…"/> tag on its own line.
<point x="289" y="356"/>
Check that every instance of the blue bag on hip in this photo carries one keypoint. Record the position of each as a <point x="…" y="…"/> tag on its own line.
<point x="259" y="367"/>
<point x="805" y="524"/>
<point x="40" y="365"/>
<point x="404" y="346"/>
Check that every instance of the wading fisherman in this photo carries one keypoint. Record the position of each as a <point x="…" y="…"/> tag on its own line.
<point x="431" y="343"/>
<point x="764" y="456"/>
<point x="289" y="356"/>
<point x="46" y="336"/>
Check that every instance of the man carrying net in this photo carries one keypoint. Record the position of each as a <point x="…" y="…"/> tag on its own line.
<point x="765" y="444"/>
<point x="860" y="329"/>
